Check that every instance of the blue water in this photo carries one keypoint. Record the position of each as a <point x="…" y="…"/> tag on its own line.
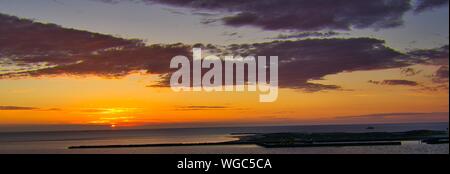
<point x="57" y="142"/>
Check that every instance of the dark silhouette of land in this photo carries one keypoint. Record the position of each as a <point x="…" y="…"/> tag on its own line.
<point x="274" y="140"/>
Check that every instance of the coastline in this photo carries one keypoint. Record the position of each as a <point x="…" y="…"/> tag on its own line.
<point x="279" y="140"/>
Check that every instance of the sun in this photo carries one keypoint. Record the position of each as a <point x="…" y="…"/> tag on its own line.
<point x="113" y="126"/>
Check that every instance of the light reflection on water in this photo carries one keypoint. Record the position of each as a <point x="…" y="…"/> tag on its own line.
<point x="60" y="148"/>
<point x="57" y="142"/>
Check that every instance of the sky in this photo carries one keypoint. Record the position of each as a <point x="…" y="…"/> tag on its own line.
<point x="106" y="62"/>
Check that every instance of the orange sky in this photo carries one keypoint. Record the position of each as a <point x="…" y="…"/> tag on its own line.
<point x="360" y="59"/>
<point x="129" y="102"/>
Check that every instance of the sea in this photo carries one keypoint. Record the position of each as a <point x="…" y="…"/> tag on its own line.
<point x="57" y="142"/>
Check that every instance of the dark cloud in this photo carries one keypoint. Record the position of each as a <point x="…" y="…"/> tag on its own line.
<point x="206" y="107"/>
<point x="301" y="61"/>
<point x="300" y="35"/>
<point x="22" y="108"/>
<point x="442" y="72"/>
<point x="375" y="82"/>
<point x="73" y="52"/>
<point x="395" y="82"/>
<point x="54" y="109"/>
<point x="118" y="63"/>
<point x="303" y="14"/>
<point x="440" y="84"/>
<point x="199" y="108"/>
<point x="94" y="54"/>
<point x="441" y="75"/>
<point x="410" y="71"/>
<point x="390" y="115"/>
<point x="424" y="5"/>
<point x="438" y="57"/>
<point x="16" y="108"/>
<point x="435" y="88"/>
<point x="304" y="60"/>
<point x="314" y="87"/>
<point x="312" y="59"/>
<point x="434" y="56"/>
<point x="395" y="117"/>
<point x="28" y="41"/>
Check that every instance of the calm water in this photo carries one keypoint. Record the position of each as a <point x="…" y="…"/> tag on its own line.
<point x="57" y="142"/>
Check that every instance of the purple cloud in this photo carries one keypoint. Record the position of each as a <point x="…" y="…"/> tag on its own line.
<point x="395" y="82"/>
<point x="302" y="14"/>
<point x="74" y="52"/>
<point x="16" y="108"/>
<point x="424" y="5"/>
<point x="68" y="51"/>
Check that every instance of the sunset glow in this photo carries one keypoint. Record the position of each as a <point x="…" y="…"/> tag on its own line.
<point x="96" y="67"/>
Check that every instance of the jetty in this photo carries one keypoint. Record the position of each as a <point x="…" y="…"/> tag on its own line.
<point x="281" y="140"/>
